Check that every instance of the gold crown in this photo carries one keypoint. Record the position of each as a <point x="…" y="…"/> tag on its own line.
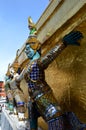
<point x="34" y="43"/>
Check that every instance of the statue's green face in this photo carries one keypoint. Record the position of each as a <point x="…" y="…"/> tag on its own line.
<point x="29" y="51"/>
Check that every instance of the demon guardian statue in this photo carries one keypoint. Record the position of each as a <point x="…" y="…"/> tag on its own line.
<point x="42" y="101"/>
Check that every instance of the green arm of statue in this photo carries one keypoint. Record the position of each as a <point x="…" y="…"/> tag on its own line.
<point x="70" y="39"/>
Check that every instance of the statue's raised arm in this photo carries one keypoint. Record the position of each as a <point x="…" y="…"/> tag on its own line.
<point x="72" y="38"/>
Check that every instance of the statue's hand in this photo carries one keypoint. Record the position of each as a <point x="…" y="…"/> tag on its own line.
<point x="72" y="38"/>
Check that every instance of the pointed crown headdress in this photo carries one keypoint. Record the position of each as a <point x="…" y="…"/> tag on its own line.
<point x="32" y="39"/>
<point x="31" y="23"/>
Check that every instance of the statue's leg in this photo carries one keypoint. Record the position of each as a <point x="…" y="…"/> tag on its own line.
<point x="74" y="121"/>
<point x="56" y="124"/>
<point x="10" y="101"/>
<point x="68" y="121"/>
<point x="51" y="112"/>
<point x="20" y="103"/>
<point x="33" y="116"/>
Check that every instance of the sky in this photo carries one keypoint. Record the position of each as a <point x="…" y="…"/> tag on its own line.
<point x="14" y="27"/>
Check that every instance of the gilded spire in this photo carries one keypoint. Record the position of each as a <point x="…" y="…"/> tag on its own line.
<point x="32" y="27"/>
